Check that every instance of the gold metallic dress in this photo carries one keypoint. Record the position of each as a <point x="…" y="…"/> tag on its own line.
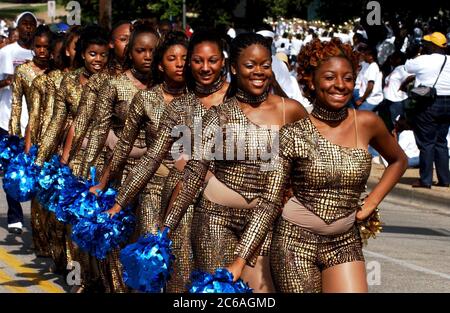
<point x="327" y="179"/>
<point x="145" y="113"/>
<point x="24" y="76"/>
<point x="21" y="86"/>
<point x="113" y="104"/>
<point x="185" y="110"/>
<point x="67" y="99"/>
<point x="83" y="122"/>
<point x="240" y="151"/>
<point x="41" y="114"/>
<point x="37" y="108"/>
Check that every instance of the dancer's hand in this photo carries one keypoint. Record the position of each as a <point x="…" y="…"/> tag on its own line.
<point x="114" y="210"/>
<point x="363" y="213"/>
<point x="236" y="268"/>
<point x="95" y="189"/>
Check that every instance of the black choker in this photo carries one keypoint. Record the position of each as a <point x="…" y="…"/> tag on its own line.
<point x="174" y="91"/>
<point x="41" y="64"/>
<point x="210" y="89"/>
<point x="115" y="64"/>
<point x="86" y="73"/>
<point x="325" y="114"/>
<point x="142" y="77"/>
<point x="244" y="96"/>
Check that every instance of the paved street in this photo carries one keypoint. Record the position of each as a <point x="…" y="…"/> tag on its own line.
<point x="411" y="255"/>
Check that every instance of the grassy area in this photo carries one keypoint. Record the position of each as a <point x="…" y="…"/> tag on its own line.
<point x="13" y="11"/>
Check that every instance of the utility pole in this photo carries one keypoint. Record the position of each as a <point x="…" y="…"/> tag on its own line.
<point x="105" y="14"/>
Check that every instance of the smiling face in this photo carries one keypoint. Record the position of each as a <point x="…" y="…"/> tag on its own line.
<point x="254" y="69"/>
<point x="333" y="83"/>
<point x="142" y="52"/>
<point x="95" y="57"/>
<point x="206" y="63"/>
<point x="172" y="63"/>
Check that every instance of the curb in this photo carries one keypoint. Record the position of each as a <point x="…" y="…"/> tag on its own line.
<point x="406" y="194"/>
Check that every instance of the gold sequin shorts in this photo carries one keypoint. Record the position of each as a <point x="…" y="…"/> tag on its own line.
<point x="298" y="256"/>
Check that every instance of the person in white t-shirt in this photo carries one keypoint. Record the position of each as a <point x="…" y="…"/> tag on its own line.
<point x="370" y="91"/>
<point x="11" y="56"/>
<point x="394" y="96"/>
<point x="432" y="120"/>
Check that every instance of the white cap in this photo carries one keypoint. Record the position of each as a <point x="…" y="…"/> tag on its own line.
<point x="266" y="33"/>
<point x="23" y="14"/>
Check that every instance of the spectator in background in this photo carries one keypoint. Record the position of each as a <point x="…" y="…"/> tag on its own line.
<point x="432" y="120"/>
<point x="164" y="26"/>
<point x="370" y="91"/>
<point x="394" y="97"/>
<point x="10" y="57"/>
<point x="13" y="35"/>
<point x="3" y="41"/>
<point x="296" y="46"/>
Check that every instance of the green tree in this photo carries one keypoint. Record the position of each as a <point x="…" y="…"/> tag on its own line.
<point x="166" y="9"/>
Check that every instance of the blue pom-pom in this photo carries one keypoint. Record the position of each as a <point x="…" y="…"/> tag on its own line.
<point x="219" y="282"/>
<point x="48" y="179"/>
<point x="20" y="179"/>
<point x="147" y="263"/>
<point x="99" y="234"/>
<point x="10" y="147"/>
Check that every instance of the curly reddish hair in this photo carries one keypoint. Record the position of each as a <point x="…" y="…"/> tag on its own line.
<point x="315" y="53"/>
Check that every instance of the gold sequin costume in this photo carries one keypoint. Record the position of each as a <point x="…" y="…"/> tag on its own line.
<point x="24" y="76"/>
<point x="59" y="244"/>
<point x="21" y="86"/>
<point x="145" y="112"/>
<point x="83" y="122"/>
<point x="113" y="104"/>
<point x="219" y="232"/>
<point x="328" y="180"/>
<point x="181" y="111"/>
<point x="37" y="109"/>
<point x="65" y="107"/>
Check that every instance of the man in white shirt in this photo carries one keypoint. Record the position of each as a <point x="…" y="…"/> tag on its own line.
<point x="11" y="56"/>
<point x="432" y="120"/>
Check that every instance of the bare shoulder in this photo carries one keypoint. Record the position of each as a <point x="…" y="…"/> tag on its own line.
<point x="294" y="110"/>
<point x="369" y="120"/>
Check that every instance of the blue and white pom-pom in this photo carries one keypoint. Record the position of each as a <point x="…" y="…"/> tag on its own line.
<point x="147" y="263"/>
<point x="219" y="282"/>
<point x="74" y="199"/>
<point x="51" y="181"/>
<point x="99" y="234"/>
<point x="20" y="179"/>
<point x="10" y="147"/>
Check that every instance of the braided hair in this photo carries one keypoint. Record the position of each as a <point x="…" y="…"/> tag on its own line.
<point x="197" y="38"/>
<point x="239" y="44"/>
<point x="172" y="38"/>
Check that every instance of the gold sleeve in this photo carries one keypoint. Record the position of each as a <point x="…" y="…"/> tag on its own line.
<point x="84" y="116"/>
<point x="37" y="98"/>
<point x="102" y="124"/>
<point x="51" y="138"/>
<point x="49" y="102"/>
<point x="16" y="103"/>
<point x="144" y="170"/>
<point x="196" y="168"/>
<point x="268" y="206"/>
<point x="133" y="124"/>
